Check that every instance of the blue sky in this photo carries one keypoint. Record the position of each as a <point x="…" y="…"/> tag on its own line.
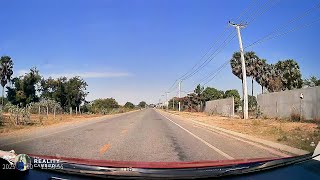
<point x="134" y="50"/>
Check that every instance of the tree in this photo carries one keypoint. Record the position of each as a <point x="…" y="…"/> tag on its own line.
<point x="261" y="68"/>
<point x="252" y="102"/>
<point x="6" y="71"/>
<point x="129" y="105"/>
<point x="75" y="89"/>
<point x="199" y="93"/>
<point x="24" y="88"/>
<point x="102" y="105"/>
<point x="311" y="82"/>
<point x="251" y="60"/>
<point x="48" y="88"/>
<point x="142" y="104"/>
<point x="235" y="94"/>
<point x="289" y="72"/>
<point x="211" y="93"/>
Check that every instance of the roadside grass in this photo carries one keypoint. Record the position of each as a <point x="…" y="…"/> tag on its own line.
<point x="8" y="124"/>
<point x="303" y="135"/>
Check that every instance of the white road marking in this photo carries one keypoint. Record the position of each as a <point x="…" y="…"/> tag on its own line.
<point x="270" y="150"/>
<point x="203" y="141"/>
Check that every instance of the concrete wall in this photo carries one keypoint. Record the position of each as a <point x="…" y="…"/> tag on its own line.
<point x="224" y="107"/>
<point x="283" y="104"/>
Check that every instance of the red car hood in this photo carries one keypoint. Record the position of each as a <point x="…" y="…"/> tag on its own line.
<point x="138" y="164"/>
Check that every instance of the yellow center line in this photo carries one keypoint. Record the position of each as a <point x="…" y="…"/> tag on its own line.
<point x="104" y="148"/>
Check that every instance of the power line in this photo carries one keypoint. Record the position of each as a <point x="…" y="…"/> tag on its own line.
<point x="214" y="73"/>
<point x="261" y="11"/>
<point x="170" y="89"/>
<point x="273" y="32"/>
<point x="268" y="36"/>
<point x="213" y="55"/>
<point x="220" y="37"/>
<point x="264" y="8"/>
<point x="284" y="33"/>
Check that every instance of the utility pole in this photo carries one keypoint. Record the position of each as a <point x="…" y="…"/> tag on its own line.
<point x="180" y="95"/>
<point x="244" y="73"/>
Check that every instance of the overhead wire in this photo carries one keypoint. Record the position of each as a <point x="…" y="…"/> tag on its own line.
<point x="261" y="10"/>
<point x="185" y="76"/>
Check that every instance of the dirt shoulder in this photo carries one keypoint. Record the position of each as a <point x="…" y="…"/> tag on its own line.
<point x="301" y="135"/>
<point x="60" y="120"/>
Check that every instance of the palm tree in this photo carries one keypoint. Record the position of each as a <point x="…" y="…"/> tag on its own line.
<point x="251" y="60"/>
<point x="261" y="69"/>
<point x="251" y="66"/>
<point x="6" y="71"/>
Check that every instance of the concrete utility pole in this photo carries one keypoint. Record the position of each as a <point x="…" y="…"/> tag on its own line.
<point x="180" y="95"/>
<point x="244" y="73"/>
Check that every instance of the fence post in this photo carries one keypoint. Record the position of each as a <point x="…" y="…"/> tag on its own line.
<point x="54" y="113"/>
<point x="70" y="110"/>
<point x="47" y="112"/>
<point x="76" y="110"/>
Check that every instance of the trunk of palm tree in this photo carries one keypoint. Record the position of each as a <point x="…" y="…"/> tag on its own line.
<point x="251" y="86"/>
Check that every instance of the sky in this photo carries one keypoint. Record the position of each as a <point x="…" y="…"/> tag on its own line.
<point x="134" y="50"/>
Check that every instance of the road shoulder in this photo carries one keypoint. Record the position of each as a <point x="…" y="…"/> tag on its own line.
<point x="267" y="143"/>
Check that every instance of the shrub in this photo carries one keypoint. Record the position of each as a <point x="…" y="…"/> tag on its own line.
<point x="295" y="117"/>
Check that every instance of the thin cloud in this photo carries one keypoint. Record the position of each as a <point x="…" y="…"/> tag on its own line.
<point x="90" y="74"/>
<point x="81" y="74"/>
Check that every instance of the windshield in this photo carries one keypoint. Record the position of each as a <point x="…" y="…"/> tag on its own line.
<point x="160" y="81"/>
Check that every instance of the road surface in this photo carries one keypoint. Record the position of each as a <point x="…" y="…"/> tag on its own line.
<point x="146" y="135"/>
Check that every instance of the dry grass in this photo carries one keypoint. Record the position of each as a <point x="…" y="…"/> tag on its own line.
<point x="296" y="134"/>
<point x="38" y="121"/>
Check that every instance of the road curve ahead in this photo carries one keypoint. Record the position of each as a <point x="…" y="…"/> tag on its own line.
<point x="146" y="135"/>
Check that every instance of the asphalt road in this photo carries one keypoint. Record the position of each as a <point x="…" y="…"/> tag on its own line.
<point x="146" y="135"/>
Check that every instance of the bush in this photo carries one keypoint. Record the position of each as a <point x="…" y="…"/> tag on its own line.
<point x="295" y="117"/>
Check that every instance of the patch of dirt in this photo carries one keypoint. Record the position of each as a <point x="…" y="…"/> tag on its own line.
<point x="303" y="135"/>
<point x="10" y="128"/>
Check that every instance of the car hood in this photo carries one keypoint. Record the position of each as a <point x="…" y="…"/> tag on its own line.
<point x="161" y="165"/>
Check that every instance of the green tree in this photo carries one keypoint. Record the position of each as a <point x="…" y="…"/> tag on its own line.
<point x="199" y="93"/>
<point x="142" y="104"/>
<point x="48" y="88"/>
<point x="252" y="102"/>
<point x="251" y="60"/>
<point x="211" y="93"/>
<point x="129" y="105"/>
<point x="235" y="94"/>
<point x="6" y="71"/>
<point x="102" y="105"/>
<point x="24" y="88"/>
<point x="290" y="74"/>
<point x="311" y="82"/>
<point x="75" y="89"/>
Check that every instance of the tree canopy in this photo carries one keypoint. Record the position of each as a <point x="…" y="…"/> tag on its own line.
<point x="235" y="94"/>
<point x="24" y="90"/>
<point x="311" y="82"/>
<point x="129" y="105"/>
<point x="142" y="104"/>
